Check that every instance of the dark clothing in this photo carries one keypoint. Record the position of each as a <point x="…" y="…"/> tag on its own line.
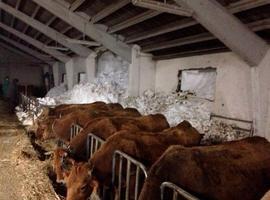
<point x="5" y="87"/>
<point x="13" y="96"/>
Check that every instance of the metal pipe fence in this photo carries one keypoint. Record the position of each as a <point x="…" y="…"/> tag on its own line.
<point x="132" y="166"/>
<point x="177" y="192"/>
<point x="30" y="104"/>
<point x="93" y="144"/>
<point x="74" y="130"/>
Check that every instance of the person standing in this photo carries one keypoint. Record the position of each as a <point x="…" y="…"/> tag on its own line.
<point x="13" y="95"/>
<point x="5" y="86"/>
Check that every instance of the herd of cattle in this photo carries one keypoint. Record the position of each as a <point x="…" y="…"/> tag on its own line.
<point x="229" y="171"/>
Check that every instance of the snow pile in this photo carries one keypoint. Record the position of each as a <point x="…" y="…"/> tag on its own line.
<point x="101" y="90"/>
<point x="113" y="68"/>
<point x="27" y="118"/>
<point x="56" y="91"/>
<point x="219" y="131"/>
<point x="48" y="101"/>
<point x="179" y="107"/>
<point x="176" y="107"/>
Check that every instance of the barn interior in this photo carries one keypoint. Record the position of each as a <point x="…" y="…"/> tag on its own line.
<point x="203" y="61"/>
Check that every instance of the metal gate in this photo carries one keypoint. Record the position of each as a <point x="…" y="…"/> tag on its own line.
<point x="93" y="144"/>
<point x="177" y="191"/>
<point x="30" y="104"/>
<point x="74" y="130"/>
<point x="138" y="168"/>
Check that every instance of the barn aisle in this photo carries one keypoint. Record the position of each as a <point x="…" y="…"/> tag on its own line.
<point x="22" y="175"/>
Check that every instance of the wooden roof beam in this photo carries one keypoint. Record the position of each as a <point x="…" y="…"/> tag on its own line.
<point x="190" y="53"/>
<point x="28" y="50"/>
<point x="34" y="14"/>
<point x="254" y="26"/>
<point x="18" y="3"/>
<point x="217" y="19"/>
<point x="56" y="54"/>
<point x="16" y="50"/>
<point x="76" y="4"/>
<point x="53" y="34"/>
<point x="91" y="30"/>
<point x="48" y="23"/>
<point x="240" y="6"/>
<point x="134" y="20"/>
<point x="109" y="10"/>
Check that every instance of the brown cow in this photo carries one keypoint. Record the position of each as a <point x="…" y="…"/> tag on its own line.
<point x="229" y="171"/>
<point x="62" y="126"/>
<point x="105" y="127"/>
<point x="53" y="113"/>
<point x="44" y="127"/>
<point x="144" y="146"/>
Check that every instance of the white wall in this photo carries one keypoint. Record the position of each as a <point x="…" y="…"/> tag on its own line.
<point x="147" y="73"/>
<point x="79" y="66"/>
<point x="142" y="72"/>
<point x="233" y="85"/>
<point x="261" y="98"/>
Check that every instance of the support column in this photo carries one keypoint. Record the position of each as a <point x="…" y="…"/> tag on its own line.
<point x="90" y="67"/>
<point x="141" y="72"/>
<point x="261" y="97"/>
<point x="70" y="73"/>
<point x="56" y="74"/>
<point x="228" y="29"/>
<point x="147" y="72"/>
<point x="134" y="72"/>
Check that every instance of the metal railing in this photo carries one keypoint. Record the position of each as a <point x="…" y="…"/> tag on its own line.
<point x="74" y="130"/>
<point x="30" y="104"/>
<point x="239" y="122"/>
<point x="139" y="170"/>
<point x="177" y="192"/>
<point x="93" y="144"/>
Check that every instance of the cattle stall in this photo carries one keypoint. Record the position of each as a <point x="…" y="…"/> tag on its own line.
<point x="176" y="190"/>
<point x="134" y="99"/>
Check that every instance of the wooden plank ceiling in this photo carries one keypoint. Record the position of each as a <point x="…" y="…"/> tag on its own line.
<point x="161" y="34"/>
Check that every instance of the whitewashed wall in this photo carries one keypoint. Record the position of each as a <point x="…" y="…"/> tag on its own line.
<point x="233" y="86"/>
<point x="79" y="66"/>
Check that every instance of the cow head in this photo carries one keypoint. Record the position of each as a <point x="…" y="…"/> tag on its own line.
<point x="190" y="136"/>
<point x="80" y="183"/>
<point x="59" y="156"/>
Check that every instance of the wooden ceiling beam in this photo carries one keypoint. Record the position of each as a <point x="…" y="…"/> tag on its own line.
<point x="76" y="4"/>
<point x="216" y="18"/>
<point x="56" y="54"/>
<point x="134" y="20"/>
<point x="34" y="14"/>
<point x="234" y="8"/>
<point x="53" y="34"/>
<point x="28" y="50"/>
<point x="254" y="26"/>
<point x="109" y="10"/>
<point x="190" y="53"/>
<point x="18" y="3"/>
<point x="89" y="29"/>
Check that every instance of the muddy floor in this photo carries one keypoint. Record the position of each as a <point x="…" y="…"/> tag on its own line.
<point x="23" y="175"/>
